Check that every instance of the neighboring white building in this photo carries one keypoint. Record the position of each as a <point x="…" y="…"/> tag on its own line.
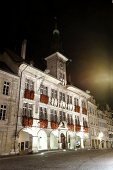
<point x="103" y="132"/>
<point x="9" y="88"/>
<point x="109" y="125"/>
<point x="93" y="123"/>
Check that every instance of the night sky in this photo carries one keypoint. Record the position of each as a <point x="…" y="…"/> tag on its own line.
<point x="86" y="30"/>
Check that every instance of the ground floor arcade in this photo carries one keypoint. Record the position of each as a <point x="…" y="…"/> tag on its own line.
<point x="36" y="139"/>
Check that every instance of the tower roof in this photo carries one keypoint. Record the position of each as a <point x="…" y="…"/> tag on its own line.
<point x="56" y="44"/>
<point x="57" y="54"/>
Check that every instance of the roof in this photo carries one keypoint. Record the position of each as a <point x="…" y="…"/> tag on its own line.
<point x="4" y="67"/>
<point x="14" y="56"/>
<point x="58" y="55"/>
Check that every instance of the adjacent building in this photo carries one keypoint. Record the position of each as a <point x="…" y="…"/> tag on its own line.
<point x="9" y="88"/>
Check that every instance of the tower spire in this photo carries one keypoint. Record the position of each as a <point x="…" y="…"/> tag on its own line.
<point x="56" y="42"/>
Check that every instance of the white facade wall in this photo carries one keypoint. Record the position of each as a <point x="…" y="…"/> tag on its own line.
<point x="51" y="137"/>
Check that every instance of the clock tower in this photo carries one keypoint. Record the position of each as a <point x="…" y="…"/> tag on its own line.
<point x="56" y="63"/>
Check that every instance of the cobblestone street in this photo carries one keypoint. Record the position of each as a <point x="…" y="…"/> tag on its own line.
<point x="62" y="160"/>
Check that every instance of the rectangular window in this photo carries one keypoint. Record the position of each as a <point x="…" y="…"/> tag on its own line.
<point x="52" y="93"/>
<point x="60" y="116"/>
<point x="44" y="90"/>
<point x="27" y="109"/>
<point x="55" y="116"/>
<point x="30" y="110"/>
<point x="43" y="113"/>
<point x="3" y="112"/>
<point x="67" y="99"/>
<point x="52" y="117"/>
<point x="60" y="96"/>
<point x="6" y="88"/>
<point x="76" y="103"/>
<point x="55" y="94"/>
<point x="63" y="95"/>
<point x="83" y="104"/>
<point x="29" y="84"/>
<point x="40" y="113"/>
<point x="70" y="99"/>
<point x="63" y="116"/>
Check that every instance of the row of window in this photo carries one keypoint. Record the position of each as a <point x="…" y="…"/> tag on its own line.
<point x="29" y="84"/>
<point x="54" y="116"/>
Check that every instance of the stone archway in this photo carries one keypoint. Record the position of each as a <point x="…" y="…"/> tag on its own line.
<point x="24" y="142"/>
<point x="54" y="140"/>
<point x="42" y="140"/>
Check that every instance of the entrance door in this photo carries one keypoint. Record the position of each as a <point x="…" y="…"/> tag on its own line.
<point x="63" y="141"/>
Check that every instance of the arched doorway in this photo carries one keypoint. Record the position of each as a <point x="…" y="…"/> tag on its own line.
<point x="54" y="140"/>
<point x="42" y="140"/>
<point x="24" y="142"/>
<point x="63" y="141"/>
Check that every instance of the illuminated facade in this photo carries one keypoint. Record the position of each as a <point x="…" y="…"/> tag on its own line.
<point x="93" y="123"/>
<point x="52" y="114"/>
<point x="9" y="88"/>
<point x="40" y="111"/>
<point x="109" y="125"/>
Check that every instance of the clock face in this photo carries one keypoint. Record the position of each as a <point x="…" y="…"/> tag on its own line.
<point x="61" y="64"/>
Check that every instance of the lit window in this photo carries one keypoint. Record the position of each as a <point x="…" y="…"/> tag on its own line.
<point x="6" y="88"/>
<point x="67" y="99"/>
<point x="70" y="99"/>
<point x="52" y="93"/>
<point x="60" y="96"/>
<point x="76" y="103"/>
<point x="43" y="90"/>
<point x="3" y="112"/>
<point x="43" y="113"/>
<point x="27" y="109"/>
<point x="55" y="94"/>
<point x="60" y="116"/>
<point x="53" y="115"/>
<point x="30" y="110"/>
<point x="63" y="95"/>
<point x="29" y="84"/>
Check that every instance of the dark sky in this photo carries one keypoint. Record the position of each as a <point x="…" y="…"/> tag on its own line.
<point x="86" y="30"/>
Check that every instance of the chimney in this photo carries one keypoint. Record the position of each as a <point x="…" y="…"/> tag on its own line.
<point x="31" y="63"/>
<point x="23" y="49"/>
